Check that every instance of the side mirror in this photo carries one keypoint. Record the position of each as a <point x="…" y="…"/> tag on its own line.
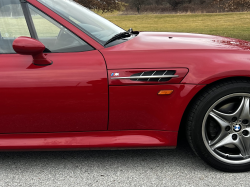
<point x="29" y="46"/>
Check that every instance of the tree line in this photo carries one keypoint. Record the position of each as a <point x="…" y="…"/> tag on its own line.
<point x="166" y="5"/>
<point x="102" y="5"/>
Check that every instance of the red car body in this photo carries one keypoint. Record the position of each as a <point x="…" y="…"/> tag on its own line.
<point x="74" y="103"/>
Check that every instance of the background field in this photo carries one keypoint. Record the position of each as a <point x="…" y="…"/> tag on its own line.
<point x="236" y="25"/>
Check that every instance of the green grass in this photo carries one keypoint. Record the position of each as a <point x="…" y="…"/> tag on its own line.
<point x="235" y="25"/>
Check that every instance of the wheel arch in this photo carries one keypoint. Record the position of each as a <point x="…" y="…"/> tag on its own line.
<point x="182" y="127"/>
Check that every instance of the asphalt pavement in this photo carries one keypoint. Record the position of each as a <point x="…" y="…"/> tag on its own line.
<point x="177" y="167"/>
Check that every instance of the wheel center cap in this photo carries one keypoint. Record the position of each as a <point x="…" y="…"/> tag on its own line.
<point x="237" y="128"/>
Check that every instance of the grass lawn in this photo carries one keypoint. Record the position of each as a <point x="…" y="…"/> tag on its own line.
<point x="235" y="25"/>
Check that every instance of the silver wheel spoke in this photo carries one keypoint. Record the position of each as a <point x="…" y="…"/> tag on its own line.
<point x="245" y="109"/>
<point x="223" y="134"/>
<point x="223" y="124"/>
<point x="246" y="142"/>
<point x="237" y="113"/>
<point x="238" y="143"/>
<point x="229" y="140"/>
<point x="225" y="141"/>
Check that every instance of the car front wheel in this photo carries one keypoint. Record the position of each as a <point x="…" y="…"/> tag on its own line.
<point x="218" y="125"/>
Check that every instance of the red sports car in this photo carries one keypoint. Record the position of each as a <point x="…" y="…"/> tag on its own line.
<point x="69" y="79"/>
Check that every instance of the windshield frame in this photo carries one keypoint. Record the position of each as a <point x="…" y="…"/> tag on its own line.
<point x="102" y="43"/>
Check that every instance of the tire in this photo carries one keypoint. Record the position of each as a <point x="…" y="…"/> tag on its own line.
<point x="218" y="125"/>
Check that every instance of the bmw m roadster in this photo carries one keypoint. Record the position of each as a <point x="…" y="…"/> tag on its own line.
<point x="70" y="79"/>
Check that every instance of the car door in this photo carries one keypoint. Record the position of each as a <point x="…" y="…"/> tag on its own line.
<point x="71" y="95"/>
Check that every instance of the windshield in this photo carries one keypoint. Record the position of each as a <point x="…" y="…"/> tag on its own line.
<point x="92" y="24"/>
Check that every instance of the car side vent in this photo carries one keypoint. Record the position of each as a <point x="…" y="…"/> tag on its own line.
<point x="154" y="76"/>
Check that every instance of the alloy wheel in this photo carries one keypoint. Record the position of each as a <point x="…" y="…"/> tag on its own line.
<point x="226" y="129"/>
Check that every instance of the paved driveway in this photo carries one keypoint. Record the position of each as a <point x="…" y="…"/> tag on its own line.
<point x="178" y="167"/>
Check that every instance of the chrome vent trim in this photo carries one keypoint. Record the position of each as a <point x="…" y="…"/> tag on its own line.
<point x="146" y="77"/>
<point x="154" y="76"/>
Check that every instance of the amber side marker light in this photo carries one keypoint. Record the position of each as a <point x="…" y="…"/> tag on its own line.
<point x="165" y="92"/>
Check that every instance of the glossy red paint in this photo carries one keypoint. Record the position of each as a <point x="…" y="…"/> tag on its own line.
<point x="141" y="108"/>
<point x="75" y="93"/>
<point x="89" y="140"/>
<point x="69" y="95"/>
<point x="208" y="58"/>
<point x="29" y="46"/>
<point x="181" y="72"/>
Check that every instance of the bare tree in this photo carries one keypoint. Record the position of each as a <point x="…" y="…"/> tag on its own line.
<point x="234" y="5"/>
<point x="138" y="4"/>
<point x="158" y="2"/>
<point x="175" y="3"/>
<point x="103" y="5"/>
